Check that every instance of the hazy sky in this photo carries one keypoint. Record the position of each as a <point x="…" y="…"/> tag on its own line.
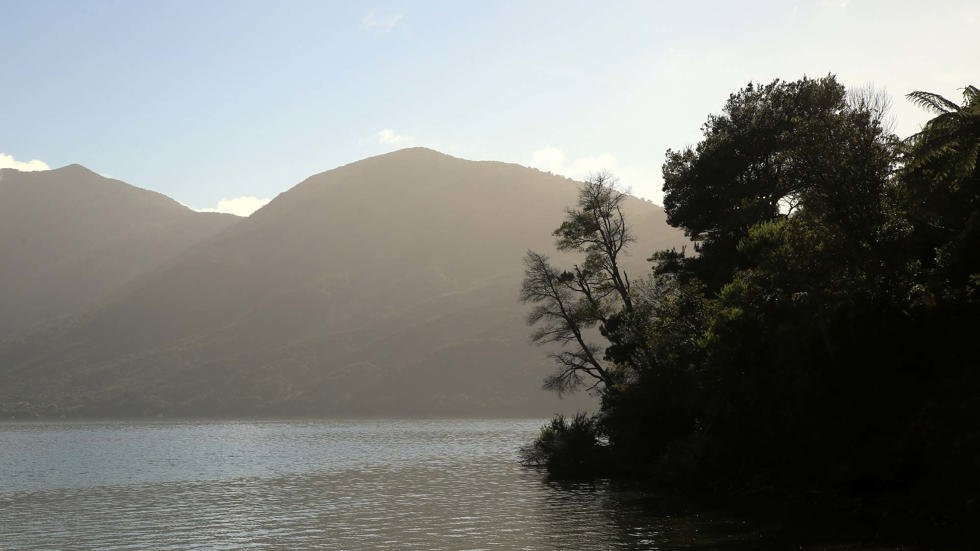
<point x="208" y="101"/>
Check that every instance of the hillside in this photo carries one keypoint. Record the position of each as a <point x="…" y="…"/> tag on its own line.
<point x="70" y="236"/>
<point x="386" y="286"/>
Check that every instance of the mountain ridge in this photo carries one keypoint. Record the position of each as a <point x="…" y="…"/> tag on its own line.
<point x="399" y="271"/>
<point x="69" y="235"/>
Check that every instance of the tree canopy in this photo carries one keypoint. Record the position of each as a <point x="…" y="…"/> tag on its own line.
<point x="823" y="332"/>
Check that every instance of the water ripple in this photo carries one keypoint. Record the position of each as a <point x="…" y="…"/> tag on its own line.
<point x="319" y="485"/>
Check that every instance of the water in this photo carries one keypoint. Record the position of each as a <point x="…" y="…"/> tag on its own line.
<point x="378" y="484"/>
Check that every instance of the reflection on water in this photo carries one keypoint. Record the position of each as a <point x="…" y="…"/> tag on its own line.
<point x="312" y="485"/>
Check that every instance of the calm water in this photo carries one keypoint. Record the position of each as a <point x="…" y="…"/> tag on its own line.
<point x="393" y="484"/>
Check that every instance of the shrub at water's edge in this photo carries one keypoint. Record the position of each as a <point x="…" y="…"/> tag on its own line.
<point x="568" y="449"/>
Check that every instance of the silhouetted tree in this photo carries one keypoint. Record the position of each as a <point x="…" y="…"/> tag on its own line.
<point x="824" y="335"/>
<point x="594" y="294"/>
<point x="952" y="138"/>
<point x="941" y="194"/>
<point x="776" y="149"/>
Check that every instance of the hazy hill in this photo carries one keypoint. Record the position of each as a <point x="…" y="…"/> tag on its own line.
<point x="386" y="286"/>
<point x="69" y="236"/>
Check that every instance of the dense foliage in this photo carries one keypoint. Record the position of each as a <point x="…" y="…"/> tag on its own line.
<point x="824" y="332"/>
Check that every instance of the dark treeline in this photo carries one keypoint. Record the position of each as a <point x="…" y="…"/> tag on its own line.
<point x="824" y="333"/>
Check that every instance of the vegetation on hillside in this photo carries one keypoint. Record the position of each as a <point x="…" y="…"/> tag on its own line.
<point x="822" y="335"/>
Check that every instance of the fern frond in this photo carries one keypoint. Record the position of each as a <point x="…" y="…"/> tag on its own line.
<point x="933" y="102"/>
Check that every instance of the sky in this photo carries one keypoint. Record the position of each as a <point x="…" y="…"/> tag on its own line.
<point x="222" y="105"/>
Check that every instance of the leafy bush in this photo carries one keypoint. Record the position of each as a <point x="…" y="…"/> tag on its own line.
<point x="567" y="449"/>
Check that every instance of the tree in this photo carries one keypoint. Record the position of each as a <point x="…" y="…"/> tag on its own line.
<point x="941" y="194"/>
<point x="570" y="304"/>
<point x="824" y="336"/>
<point x="784" y="199"/>
<point x="566" y="307"/>
<point x="952" y="137"/>
<point x="777" y="149"/>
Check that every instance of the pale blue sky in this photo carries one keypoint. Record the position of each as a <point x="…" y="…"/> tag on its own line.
<point x="208" y="100"/>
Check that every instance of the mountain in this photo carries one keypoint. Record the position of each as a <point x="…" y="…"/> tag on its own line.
<point x="384" y="287"/>
<point x="69" y="236"/>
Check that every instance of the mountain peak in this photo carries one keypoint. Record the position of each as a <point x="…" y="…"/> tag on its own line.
<point x="413" y="153"/>
<point x="417" y="150"/>
<point x="75" y="167"/>
<point x="76" y="170"/>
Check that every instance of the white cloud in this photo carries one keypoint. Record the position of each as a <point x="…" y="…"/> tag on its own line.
<point x="8" y="161"/>
<point x="239" y="206"/>
<point x="548" y="158"/>
<point x="640" y="181"/>
<point x="383" y="22"/>
<point x="552" y="159"/>
<point x="390" y="137"/>
<point x="585" y="166"/>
